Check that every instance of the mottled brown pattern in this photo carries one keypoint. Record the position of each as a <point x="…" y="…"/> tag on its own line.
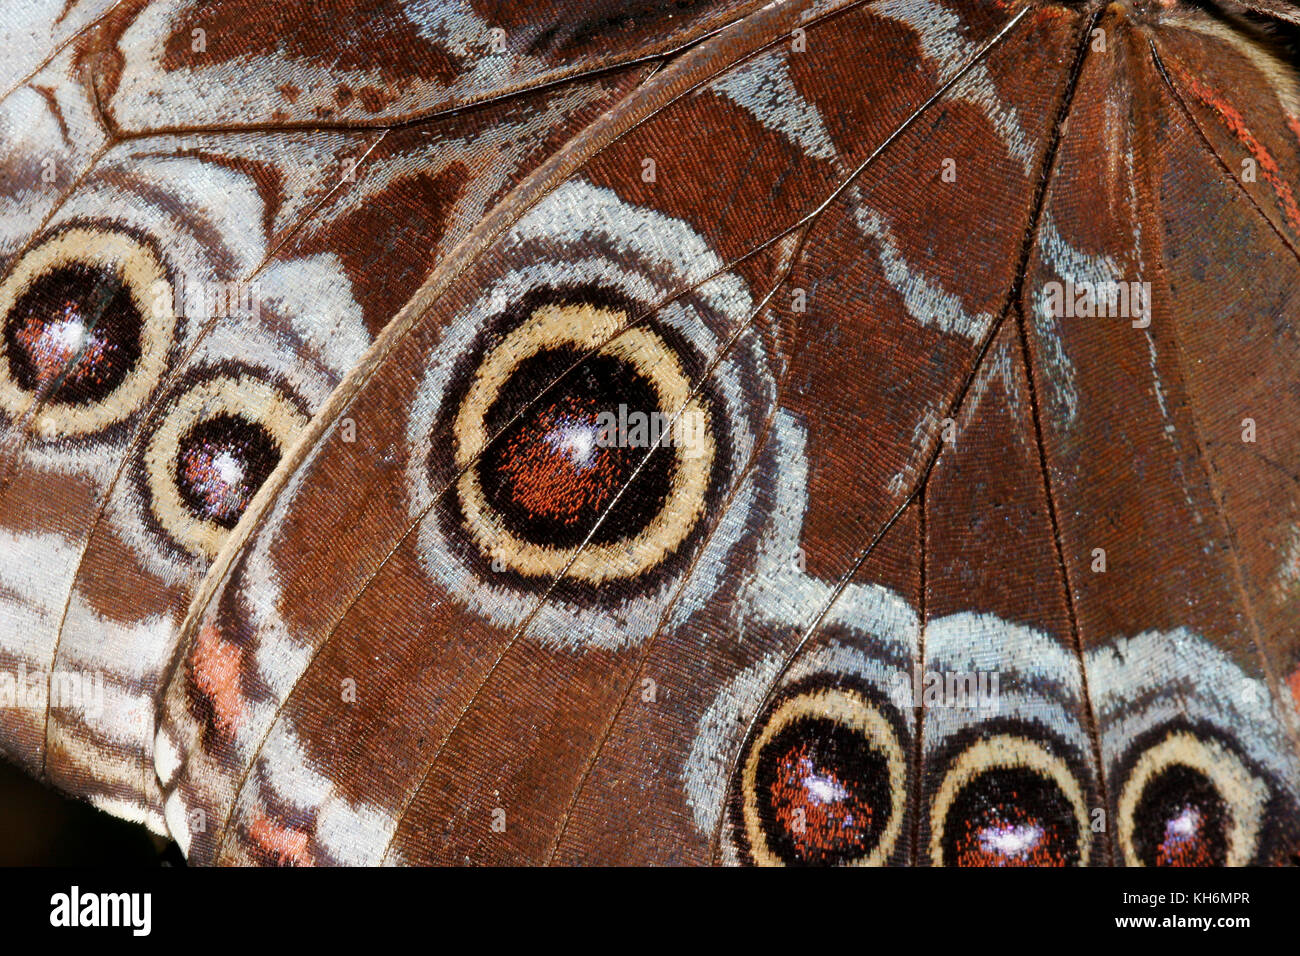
<point x="843" y="224"/>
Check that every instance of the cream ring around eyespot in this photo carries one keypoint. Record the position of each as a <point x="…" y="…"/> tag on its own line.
<point x="241" y="395"/>
<point x="1239" y="789"/>
<point x="584" y="326"/>
<point x="147" y="282"/>
<point x="848" y="710"/>
<point x="587" y="327"/>
<point x="1005" y="752"/>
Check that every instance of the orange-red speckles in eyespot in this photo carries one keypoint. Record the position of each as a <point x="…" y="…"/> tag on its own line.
<point x="221" y="463"/>
<point x="1011" y="816"/>
<point x="1185" y="842"/>
<point x="1007" y="836"/>
<point x="558" y="468"/>
<point x="812" y="804"/>
<point x="52" y="344"/>
<point x="1181" y="820"/>
<point x="823" y="793"/>
<point x="76" y="327"/>
<point x="561" y="467"/>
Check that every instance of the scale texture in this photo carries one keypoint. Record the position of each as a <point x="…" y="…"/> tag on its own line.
<point x="616" y="432"/>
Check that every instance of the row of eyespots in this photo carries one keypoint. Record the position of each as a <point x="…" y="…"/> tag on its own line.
<point x="543" y="491"/>
<point x="585" y="446"/>
<point x="89" y="332"/>
<point x="823" y="780"/>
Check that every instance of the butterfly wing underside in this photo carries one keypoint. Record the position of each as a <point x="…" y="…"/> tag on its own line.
<point x="956" y="392"/>
<point x="814" y="432"/>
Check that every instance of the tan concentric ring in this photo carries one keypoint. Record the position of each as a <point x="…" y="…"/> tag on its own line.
<point x="1242" y="793"/>
<point x="241" y="395"/>
<point x="849" y="710"/>
<point x="151" y="291"/>
<point x="1005" y="751"/>
<point x="587" y="327"/>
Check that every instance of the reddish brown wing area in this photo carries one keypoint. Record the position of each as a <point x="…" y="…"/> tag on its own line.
<point x="242" y="63"/>
<point x="141" y="151"/>
<point x="974" y="563"/>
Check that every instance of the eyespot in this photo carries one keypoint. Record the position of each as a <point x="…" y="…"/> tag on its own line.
<point x="822" y="781"/>
<point x="562" y="445"/>
<point x="1190" y="801"/>
<point x="221" y="439"/>
<point x="1009" y="801"/>
<point x="87" y="326"/>
<point x="590" y="298"/>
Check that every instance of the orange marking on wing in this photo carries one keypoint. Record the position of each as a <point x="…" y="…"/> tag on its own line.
<point x="216" y="668"/>
<point x="1236" y="124"/>
<point x="284" y="844"/>
<point x="1293" y="682"/>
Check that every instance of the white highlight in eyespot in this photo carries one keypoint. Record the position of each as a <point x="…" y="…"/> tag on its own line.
<point x="1010" y="842"/>
<point x="67" y="335"/>
<point x="821" y="788"/>
<point x="1184" y="825"/>
<point x="577" y="441"/>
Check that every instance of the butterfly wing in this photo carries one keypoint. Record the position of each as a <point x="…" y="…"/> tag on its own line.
<point x="210" y="212"/>
<point x="573" y="677"/>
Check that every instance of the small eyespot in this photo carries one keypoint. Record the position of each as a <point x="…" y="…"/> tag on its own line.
<point x="822" y="781"/>
<point x="1009" y="801"/>
<point x="216" y="446"/>
<point x="87" y="328"/>
<point x="576" y="429"/>
<point x="1190" y="801"/>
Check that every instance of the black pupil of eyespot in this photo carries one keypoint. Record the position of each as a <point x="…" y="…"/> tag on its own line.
<point x="823" y="793"/>
<point x="1011" y="816"/>
<point x="1180" y="820"/>
<point x="220" y="464"/>
<point x="557" y="469"/>
<point x="75" y="329"/>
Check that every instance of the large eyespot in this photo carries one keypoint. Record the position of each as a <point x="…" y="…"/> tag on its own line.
<point x="220" y="440"/>
<point x="822" y="781"/>
<point x="576" y="429"/>
<point x="88" y="323"/>
<point x="589" y="402"/>
<point x="1189" y="801"/>
<point x="1009" y="801"/>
